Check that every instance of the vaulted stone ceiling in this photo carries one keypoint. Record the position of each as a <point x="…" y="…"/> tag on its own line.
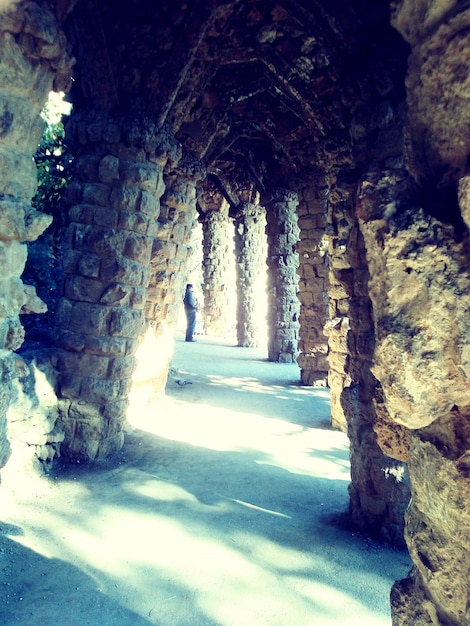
<point x="249" y="86"/>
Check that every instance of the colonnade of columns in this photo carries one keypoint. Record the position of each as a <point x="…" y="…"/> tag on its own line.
<point x="133" y="198"/>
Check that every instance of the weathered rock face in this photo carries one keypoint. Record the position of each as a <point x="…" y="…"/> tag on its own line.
<point x="379" y="490"/>
<point x="33" y="424"/>
<point x="271" y="93"/>
<point x="419" y="290"/>
<point x="424" y="300"/>
<point x="33" y="60"/>
<point x="438" y="86"/>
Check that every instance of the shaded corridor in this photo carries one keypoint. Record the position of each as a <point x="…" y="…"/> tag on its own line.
<point x="220" y="510"/>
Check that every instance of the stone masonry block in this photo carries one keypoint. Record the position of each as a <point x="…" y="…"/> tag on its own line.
<point x="121" y="367"/>
<point x="149" y="204"/>
<point x="83" y="289"/>
<point x="106" y="346"/>
<point x="91" y="427"/>
<point x="96" y="194"/>
<point x="63" y="313"/>
<point x="74" y="193"/>
<point x="138" y="297"/>
<point x="134" y="221"/>
<point x="121" y="270"/>
<point x="178" y="233"/>
<point x="70" y="385"/>
<point x="101" y="241"/>
<point x="126" y="323"/>
<point x="75" y="342"/>
<point x="70" y="261"/>
<point x="116" y="294"/>
<point x="114" y="412"/>
<point x="78" y="448"/>
<point x="138" y="248"/>
<point x="111" y="444"/>
<point x="89" y="265"/>
<point x="89" y="319"/>
<point x="124" y="198"/>
<point x="143" y="175"/>
<point x="100" y="391"/>
<point x="86" y="168"/>
<point x="109" y="169"/>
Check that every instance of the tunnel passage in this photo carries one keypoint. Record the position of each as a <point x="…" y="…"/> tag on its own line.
<point x="358" y="113"/>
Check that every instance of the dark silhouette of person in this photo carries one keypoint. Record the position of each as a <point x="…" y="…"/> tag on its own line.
<point x="190" y="308"/>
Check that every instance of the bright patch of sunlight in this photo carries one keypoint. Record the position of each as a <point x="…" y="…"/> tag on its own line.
<point x="261" y="509"/>
<point x="160" y="558"/>
<point x="278" y="442"/>
<point x="152" y="358"/>
<point x="7" y="4"/>
<point x="159" y="490"/>
<point x="56" y="107"/>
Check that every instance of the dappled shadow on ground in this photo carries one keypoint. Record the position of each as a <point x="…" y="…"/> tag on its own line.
<point x="37" y="590"/>
<point x="209" y="516"/>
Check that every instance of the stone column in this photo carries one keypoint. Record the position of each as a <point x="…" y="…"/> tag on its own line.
<point x="422" y="310"/>
<point x="114" y="206"/>
<point x="216" y="258"/>
<point x="379" y="489"/>
<point x="283" y="280"/>
<point x="33" y="61"/>
<point x="172" y="246"/>
<point x="250" y="253"/>
<point x="170" y="255"/>
<point x="419" y="285"/>
<point x="313" y="284"/>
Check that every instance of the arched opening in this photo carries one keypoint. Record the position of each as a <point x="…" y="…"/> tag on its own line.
<point x="359" y="117"/>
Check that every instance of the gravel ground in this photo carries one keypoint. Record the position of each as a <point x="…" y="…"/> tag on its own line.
<point x="224" y="508"/>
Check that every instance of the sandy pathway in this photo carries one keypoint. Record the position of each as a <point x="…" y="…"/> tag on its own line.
<point x="222" y="509"/>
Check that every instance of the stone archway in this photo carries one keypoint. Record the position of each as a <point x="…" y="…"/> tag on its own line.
<point x="297" y="87"/>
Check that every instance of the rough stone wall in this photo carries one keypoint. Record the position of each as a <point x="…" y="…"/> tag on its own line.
<point x="421" y="307"/>
<point x="419" y="240"/>
<point x="250" y="253"/>
<point x="107" y="247"/>
<point x="379" y="489"/>
<point x="313" y="283"/>
<point x="283" y="280"/>
<point x="33" y="61"/>
<point x="216" y="266"/>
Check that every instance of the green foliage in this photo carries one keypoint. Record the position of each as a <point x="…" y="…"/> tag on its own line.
<point x="53" y="162"/>
<point x="42" y="269"/>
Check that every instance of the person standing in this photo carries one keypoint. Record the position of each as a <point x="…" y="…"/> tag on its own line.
<point x="190" y="309"/>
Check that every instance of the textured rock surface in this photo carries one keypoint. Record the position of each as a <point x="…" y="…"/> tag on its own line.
<point x="216" y="262"/>
<point x="108" y="244"/>
<point x="313" y="280"/>
<point x="250" y="252"/>
<point x="283" y="281"/>
<point x="371" y="130"/>
<point x="33" y="60"/>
